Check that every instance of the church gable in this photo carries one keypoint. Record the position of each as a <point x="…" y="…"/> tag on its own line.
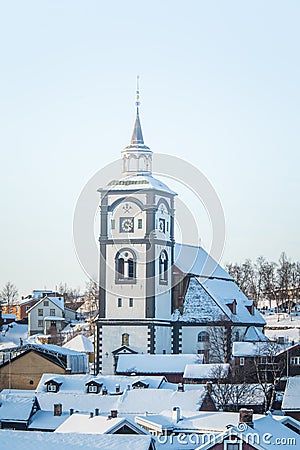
<point x="199" y="306"/>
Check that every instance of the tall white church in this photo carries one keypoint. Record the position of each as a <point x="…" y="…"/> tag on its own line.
<point x="154" y="296"/>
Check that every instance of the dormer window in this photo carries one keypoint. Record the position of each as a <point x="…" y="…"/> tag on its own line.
<point x="52" y="386"/>
<point x="93" y="387"/>
<point x="232" y="306"/>
<point x="250" y="309"/>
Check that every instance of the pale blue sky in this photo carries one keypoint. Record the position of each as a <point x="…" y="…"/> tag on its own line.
<point x="219" y="87"/>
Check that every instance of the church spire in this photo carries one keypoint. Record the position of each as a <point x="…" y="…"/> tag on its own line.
<point x="137" y="157"/>
<point x="137" y="135"/>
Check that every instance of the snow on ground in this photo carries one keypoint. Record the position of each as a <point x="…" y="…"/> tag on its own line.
<point x="283" y="325"/>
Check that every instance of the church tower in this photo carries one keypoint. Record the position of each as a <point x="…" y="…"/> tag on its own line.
<point x="136" y="257"/>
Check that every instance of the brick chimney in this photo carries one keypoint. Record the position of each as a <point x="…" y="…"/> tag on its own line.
<point x="180" y="387"/>
<point x="118" y="389"/>
<point x="91" y="415"/>
<point x="246" y="416"/>
<point x="104" y="390"/>
<point x="71" y="411"/>
<point x="96" y="411"/>
<point x="113" y="413"/>
<point x="57" y="409"/>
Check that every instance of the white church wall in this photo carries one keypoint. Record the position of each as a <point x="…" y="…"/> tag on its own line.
<point x="163" y="340"/>
<point x="112" y="340"/>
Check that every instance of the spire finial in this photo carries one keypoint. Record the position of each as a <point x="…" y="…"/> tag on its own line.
<point x="137" y="91"/>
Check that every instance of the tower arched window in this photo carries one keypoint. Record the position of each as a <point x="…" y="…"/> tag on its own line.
<point x="125" y="339"/>
<point x="163" y="267"/>
<point x="125" y="266"/>
<point x="203" y="336"/>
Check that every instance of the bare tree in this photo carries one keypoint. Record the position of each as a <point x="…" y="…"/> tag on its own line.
<point x="269" y="370"/>
<point x="230" y="390"/>
<point x="9" y="294"/>
<point x="220" y="341"/>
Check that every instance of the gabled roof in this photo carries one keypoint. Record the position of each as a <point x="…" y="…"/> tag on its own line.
<point x="83" y="423"/>
<point x="56" y="301"/>
<point x="267" y="433"/>
<point x="80" y="343"/>
<point x="196" y="261"/>
<point x="206" y="371"/>
<point x="253" y="334"/>
<point x="207" y="300"/>
<point x="16" y="406"/>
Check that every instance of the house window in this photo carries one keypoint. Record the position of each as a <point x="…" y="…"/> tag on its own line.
<point x="163" y="267"/>
<point x="113" y="224"/>
<point x="40" y="312"/>
<point x="130" y="302"/>
<point x="40" y="324"/>
<point x="295" y="360"/>
<point x="140" y="224"/>
<point x="51" y="388"/>
<point x="119" y="302"/>
<point x="52" y="312"/>
<point x="125" y="262"/>
<point x="93" y="389"/>
<point x="125" y="339"/>
<point x="230" y="445"/>
<point x="242" y="361"/>
<point x="28" y="307"/>
<point x="203" y="336"/>
<point x="263" y="359"/>
<point x="46" y="303"/>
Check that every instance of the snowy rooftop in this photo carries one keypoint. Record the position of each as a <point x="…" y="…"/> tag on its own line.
<point x="202" y="421"/>
<point x="83" y="423"/>
<point x="30" y="440"/>
<point x="137" y="182"/>
<point x="146" y="363"/>
<point x="268" y="431"/>
<point x="291" y="397"/>
<point x="16" y="405"/>
<point x="130" y="401"/>
<point x="208" y="300"/>
<point x="196" y="261"/>
<point x="205" y="371"/>
<point x="80" y="343"/>
<point x="76" y="384"/>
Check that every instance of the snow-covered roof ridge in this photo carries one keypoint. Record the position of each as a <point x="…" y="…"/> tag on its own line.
<point x="146" y="363"/>
<point x="196" y="261"/>
<point x="80" y="343"/>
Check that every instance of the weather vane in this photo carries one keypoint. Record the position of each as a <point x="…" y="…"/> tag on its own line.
<point x="137" y="91"/>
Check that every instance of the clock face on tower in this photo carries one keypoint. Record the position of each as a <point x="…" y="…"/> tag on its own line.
<point x="162" y="225"/>
<point x="126" y="225"/>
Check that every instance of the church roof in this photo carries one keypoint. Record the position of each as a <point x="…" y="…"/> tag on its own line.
<point x="196" y="261"/>
<point x="138" y="182"/>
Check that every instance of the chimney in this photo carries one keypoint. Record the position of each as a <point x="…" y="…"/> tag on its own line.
<point x="117" y="388"/>
<point x="128" y="387"/>
<point x="246" y="416"/>
<point x="71" y="411"/>
<point x="68" y="371"/>
<point x="180" y="387"/>
<point x="176" y="414"/>
<point x="113" y="413"/>
<point x="96" y="411"/>
<point x="104" y="390"/>
<point x="57" y="409"/>
<point x="209" y="387"/>
<point x="91" y="415"/>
